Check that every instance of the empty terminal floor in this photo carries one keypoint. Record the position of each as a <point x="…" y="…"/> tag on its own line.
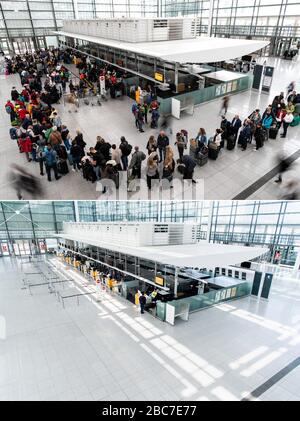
<point x="228" y="176"/>
<point x="107" y="351"/>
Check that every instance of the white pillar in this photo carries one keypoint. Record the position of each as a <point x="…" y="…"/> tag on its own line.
<point x="176" y="281"/>
<point x="176" y="77"/>
<point x="75" y="4"/>
<point x="76" y="209"/>
<point x="209" y="222"/>
<point x="210" y="18"/>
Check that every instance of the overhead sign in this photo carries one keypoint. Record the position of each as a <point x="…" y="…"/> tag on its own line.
<point x="159" y="77"/>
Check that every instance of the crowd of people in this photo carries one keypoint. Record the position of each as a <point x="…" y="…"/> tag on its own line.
<point x="42" y="137"/>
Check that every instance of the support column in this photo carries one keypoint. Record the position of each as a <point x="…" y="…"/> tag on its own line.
<point x="210" y="18"/>
<point x="35" y="44"/>
<point x="176" y="77"/>
<point x="75" y="6"/>
<point x="9" y="42"/>
<point x="176" y="281"/>
<point x="76" y="211"/>
<point x="209" y="222"/>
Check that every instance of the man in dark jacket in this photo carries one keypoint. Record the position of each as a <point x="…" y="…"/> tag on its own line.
<point x="99" y="161"/>
<point x="50" y="157"/>
<point x="143" y="301"/>
<point x="104" y="149"/>
<point x="14" y="94"/>
<point x="225" y="126"/>
<point x="245" y="135"/>
<point x="27" y="122"/>
<point x="277" y="100"/>
<point x="126" y="149"/>
<point x="292" y="97"/>
<point x="162" y="143"/>
<point x="235" y="126"/>
<point x="136" y="162"/>
<point x="186" y="166"/>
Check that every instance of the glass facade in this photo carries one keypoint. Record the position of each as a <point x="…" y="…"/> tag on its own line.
<point x="264" y="223"/>
<point x="274" y="20"/>
<point x="27" y="24"/>
<point x="33" y="219"/>
<point x="273" y="224"/>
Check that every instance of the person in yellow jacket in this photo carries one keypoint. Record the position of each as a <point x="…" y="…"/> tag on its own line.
<point x="137" y="298"/>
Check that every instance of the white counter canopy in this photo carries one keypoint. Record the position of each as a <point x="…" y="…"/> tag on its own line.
<point x="201" y="255"/>
<point x="195" y="50"/>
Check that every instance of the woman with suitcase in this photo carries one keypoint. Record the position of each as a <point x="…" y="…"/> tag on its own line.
<point x="214" y="145"/>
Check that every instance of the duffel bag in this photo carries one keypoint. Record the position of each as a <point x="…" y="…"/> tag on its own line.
<point x="296" y="121"/>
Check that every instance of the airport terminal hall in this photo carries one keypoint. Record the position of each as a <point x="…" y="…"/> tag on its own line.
<point x="150" y="301"/>
<point x="135" y="99"/>
<point x="149" y="205"/>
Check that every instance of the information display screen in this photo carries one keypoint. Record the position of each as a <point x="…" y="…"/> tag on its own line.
<point x="159" y="281"/>
<point x="159" y="77"/>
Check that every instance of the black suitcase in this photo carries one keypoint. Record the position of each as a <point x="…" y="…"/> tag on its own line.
<point x="62" y="167"/>
<point x="231" y="142"/>
<point x="202" y="159"/>
<point x="264" y="135"/>
<point x="213" y="153"/>
<point x="273" y="131"/>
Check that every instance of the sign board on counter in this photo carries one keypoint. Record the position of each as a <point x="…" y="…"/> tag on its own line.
<point x="159" y="281"/>
<point x="159" y="77"/>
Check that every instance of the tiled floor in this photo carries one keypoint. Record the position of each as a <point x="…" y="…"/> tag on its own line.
<point x="223" y="179"/>
<point x="107" y="351"/>
<point x="272" y="190"/>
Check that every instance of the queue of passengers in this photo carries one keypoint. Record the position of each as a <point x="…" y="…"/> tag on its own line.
<point x="42" y="136"/>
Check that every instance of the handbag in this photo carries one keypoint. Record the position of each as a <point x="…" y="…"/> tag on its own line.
<point x="213" y="145"/>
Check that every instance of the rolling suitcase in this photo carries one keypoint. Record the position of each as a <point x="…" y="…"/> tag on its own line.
<point x="213" y="153"/>
<point x="192" y="151"/>
<point x="231" y="142"/>
<point x="264" y="134"/>
<point x="273" y="132"/>
<point x="202" y="159"/>
<point x="62" y="167"/>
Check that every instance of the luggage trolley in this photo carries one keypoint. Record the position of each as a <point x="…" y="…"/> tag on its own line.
<point x="71" y="98"/>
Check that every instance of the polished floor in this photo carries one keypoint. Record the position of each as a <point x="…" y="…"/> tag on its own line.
<point x="107" y="351"/>
<point x="224" y="178"/>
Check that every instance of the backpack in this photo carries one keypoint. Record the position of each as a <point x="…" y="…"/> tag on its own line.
<point x="13" y="133"/>
<point x="8" y="110"/>
<point x="127" y="149"/>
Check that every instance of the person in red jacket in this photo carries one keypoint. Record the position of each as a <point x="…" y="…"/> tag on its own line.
<point x="25" y="94"/>
<point x="10" y="104"/>
<point x="281" y="113"/>
<point x="22" y="113"/>
<point x="25" y="145"/>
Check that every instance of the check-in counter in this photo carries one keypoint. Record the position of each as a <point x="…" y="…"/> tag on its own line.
<point x="217" y="84"/>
